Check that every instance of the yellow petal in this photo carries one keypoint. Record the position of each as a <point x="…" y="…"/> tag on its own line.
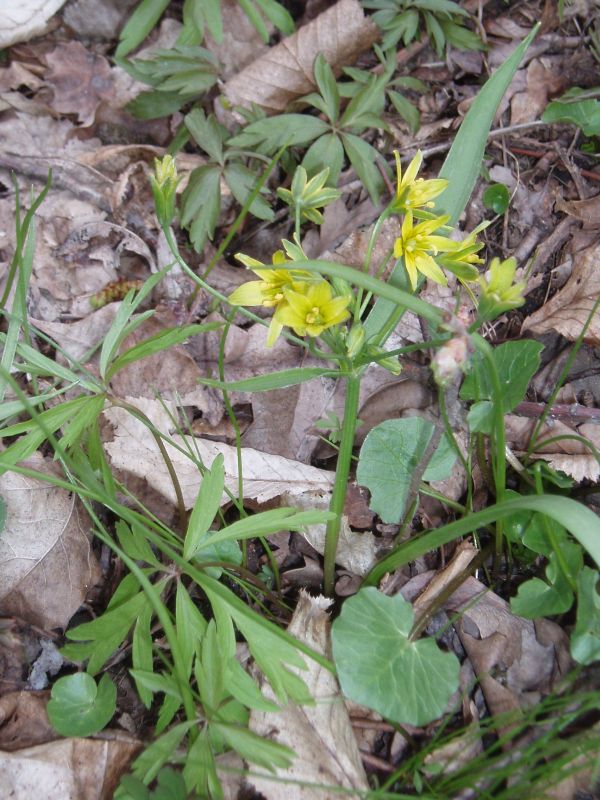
<point x="430" y="269"/>
<point x="275" y="329"/>
<point x="413" y="168"/>
<point x="248" y="294"/>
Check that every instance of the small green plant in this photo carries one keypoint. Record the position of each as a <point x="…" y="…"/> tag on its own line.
<point x="201" y="202"/>
<point x="443" y="20"/>
<point x="497" y="198"/>
<point x="331" y="139"/>
<point x="79" y="706"/>
<point x="579" y="107"/>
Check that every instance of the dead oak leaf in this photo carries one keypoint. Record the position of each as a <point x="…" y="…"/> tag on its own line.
<point x="569" y="309"/>
<point x="46" y="563"/>
<point x="80" y="81"/>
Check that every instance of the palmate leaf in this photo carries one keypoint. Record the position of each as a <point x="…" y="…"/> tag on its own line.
<point x="242" y="181"/>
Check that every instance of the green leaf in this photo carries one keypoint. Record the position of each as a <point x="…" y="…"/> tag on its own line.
<point x="585" y="639"/>
<point x="583" y="113"/>
<point x="326" y="151"/>
<point x="275" y="380"/>
<point x="582" y="523"/>
<point x="141" y="651"/>
<point x="380" y="667"/>
<point x="328" y="87"/>
<point x="139" y="25"/>
<point x="462" y="173"/>
<point x="150" y="761"/>
<point x="79" y="707"/>
<point x="390" y="454"/>
<point x="207" y="132"/>
<point x="516" y="362"/>
<point x="106" y="633"/>
<point x="285" y="129"/>
<point x="536" y="598"/>
<point x="254" y="748"/>
<point x="408" y="111"/>
<point x="497" y="198"/>
<point x="208" y="502"/>
<point x="201" y="204"/>
<point x="278" y="15"/>
<point x="156" y="104"/>
<point x="228" y="551"/>
<point x="363" y="158"/>
<point x="156" y="683"/>
<point x="242" y="181"/>
<point x="267" y="522"/>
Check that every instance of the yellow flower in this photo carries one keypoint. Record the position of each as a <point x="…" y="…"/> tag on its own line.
<point x="413" y="192"/>
<point x="269" y="291"/>
<point x="417" y="244"/>
<point x="312" y="311"/>
<point x="462" y="258"/>
<point x="499" y="293"/>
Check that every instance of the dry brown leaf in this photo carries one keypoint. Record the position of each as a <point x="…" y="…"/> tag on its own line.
<point x="285" y="72"/>
<point x="241" y="42"/>
<point x="79" y="79"/>
<point x="88" y="18"/>
<point x="23" y="721"/>
<point x="67" y="769"/>
<point x="567" y="455"/>
<point x="77" y="338"/>
<point x="588" y="211"/>
<point x="569" y="309"/>
<point x="21" y="20"/>
<point x="47" y="563"/>
<point x="544" y="80"/>
<point x="321" y="735"/>
<point x="134" y="451"/>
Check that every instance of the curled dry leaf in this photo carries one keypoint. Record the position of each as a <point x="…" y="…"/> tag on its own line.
<point x="23" y="721"/>
<point x="320" y="734"/>
<point x="568" y="311"/>
<point x="67" y="768"/>
<point x="285" y="72"/>
<point x="134" y="451"/>
<point x="80" y="81"/>
<point x="567" y="455"/>
<point x="46" y="563"/>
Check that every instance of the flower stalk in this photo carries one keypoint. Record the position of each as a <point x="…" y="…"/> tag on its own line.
<point x="340" y="486"/>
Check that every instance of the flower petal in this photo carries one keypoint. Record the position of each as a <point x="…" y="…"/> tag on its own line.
<point x="248" y="294"/>
<point x="430" y="269"/>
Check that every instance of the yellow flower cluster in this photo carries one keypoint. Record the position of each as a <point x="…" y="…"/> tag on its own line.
<point x="302" y="300"/>
<point x="423" y="250"/>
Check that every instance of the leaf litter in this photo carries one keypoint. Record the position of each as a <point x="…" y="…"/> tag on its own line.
<point x="97" y="227"/>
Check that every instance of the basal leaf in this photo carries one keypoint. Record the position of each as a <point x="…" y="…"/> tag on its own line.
<point x="585" y="639"/>
<point x="80" y="707"/>
<point x="380" y="667"/>
<point x="390" y="454"/>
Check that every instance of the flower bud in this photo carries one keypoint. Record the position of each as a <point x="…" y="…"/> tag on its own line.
<point x="164" y="187"/>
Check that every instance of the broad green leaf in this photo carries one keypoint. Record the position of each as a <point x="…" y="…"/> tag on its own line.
<point x="583" y="113"/>
<point x="208" y="502"/>
<point x="388" y="458"/>
<point x="227" y="551"/>
<point x="275" y="380"/>
<point x="139" y="25"/>
<point x="536" y="598"/>
<point x="516" y="362"/>
<point x="380" y="667"/>
<point x="497" y="198"/>
<point x="585" y="639"/>
<point x="80" y="707"/>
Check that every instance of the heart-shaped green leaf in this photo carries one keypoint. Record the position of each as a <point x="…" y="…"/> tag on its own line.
<point x="80" y="707"/>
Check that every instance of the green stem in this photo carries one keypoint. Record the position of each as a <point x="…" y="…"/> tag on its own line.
<point x="340" y="486"/>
